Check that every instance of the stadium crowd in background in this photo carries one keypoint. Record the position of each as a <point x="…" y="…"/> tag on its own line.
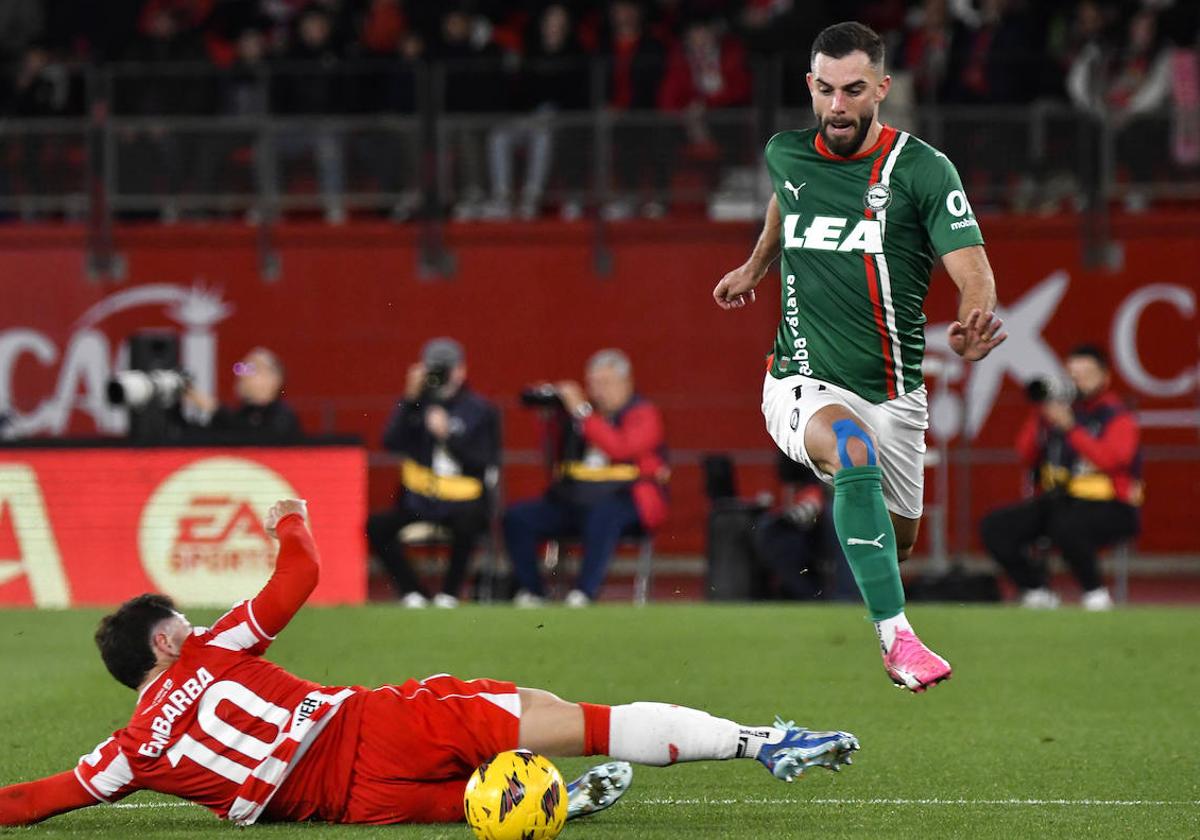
<point x="978" y="51"/>
<point x="1126" y="60"/>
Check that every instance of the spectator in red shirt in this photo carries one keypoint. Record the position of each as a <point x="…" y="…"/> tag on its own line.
<point x="611" y="474"/>
<point x="1087" y="467"/>
<point x="191" y="14"/>
<point x="926" y="51"/>
<point x="637" y="60"/>
<point x="705" y="71"/>
<point x="382" y="27"/>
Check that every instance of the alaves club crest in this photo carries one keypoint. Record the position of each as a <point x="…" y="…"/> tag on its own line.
<point x="877" y="197"/>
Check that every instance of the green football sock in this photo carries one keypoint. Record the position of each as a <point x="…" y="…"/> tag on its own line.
<point x="868" y="540"/>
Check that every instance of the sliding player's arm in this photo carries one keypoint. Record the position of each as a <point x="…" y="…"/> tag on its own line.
<point x="736" y="288"/>
<point x="297" y="568"/>
<point x="32" y="802"/>
<point x="251" y="626"/>
<point x="103" y="775"/>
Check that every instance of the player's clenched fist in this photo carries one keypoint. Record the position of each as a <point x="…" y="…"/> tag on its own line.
<point x="282" y="508"/>
<point x="736" y="289"/>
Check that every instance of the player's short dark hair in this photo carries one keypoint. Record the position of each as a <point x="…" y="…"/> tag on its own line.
<point x="124" y="637"/>
<point x="1091" y="351"/>
<point x="841" y="39"/>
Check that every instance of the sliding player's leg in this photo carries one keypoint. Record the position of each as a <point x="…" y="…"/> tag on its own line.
<point x="391" y="801"/>
<point x="659" y="734"/>
<point x="420" y="742"/>
<point x="441" y="728"/>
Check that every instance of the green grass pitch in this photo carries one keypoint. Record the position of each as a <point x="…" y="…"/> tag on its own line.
<point x="1060" y="724"/>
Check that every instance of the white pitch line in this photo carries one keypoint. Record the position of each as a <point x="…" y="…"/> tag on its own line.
<point x="1083" y="803"/>
<point x="1017" y="803"/>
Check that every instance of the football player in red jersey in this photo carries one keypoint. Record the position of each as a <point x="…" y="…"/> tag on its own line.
<point x="217" y="724"/>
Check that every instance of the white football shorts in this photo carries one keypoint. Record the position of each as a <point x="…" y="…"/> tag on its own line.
<point x="898" y="427"/>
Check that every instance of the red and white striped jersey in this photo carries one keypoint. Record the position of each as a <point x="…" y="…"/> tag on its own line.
<point x="221" y="727"/>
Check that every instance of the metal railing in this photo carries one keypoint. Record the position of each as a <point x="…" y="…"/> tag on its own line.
<point x="171" y="142"/>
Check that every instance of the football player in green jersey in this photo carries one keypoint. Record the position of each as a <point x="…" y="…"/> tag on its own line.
<point x="859" y="212"/>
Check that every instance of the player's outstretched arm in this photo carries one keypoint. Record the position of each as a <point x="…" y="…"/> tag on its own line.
<point x="736" y="289"/>
<point x="977" y="330"/>
<point x="32" y="802"/>
<point x="297" y="568"/>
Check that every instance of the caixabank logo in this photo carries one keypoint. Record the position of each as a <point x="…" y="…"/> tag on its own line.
<point x="72" y="371"/>
<point x="201" y="537"/>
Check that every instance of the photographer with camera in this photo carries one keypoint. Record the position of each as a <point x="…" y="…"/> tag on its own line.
<point x="1082" y="444"/>
<point x="610" y="477"/>
<point x="448" y="437"/>
<point x="261" y="415"/>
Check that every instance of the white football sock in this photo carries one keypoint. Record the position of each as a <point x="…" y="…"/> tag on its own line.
<point x="659" y="734"/>
<point x="889" y="627"/>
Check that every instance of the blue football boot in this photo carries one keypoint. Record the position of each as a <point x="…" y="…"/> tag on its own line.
<point x="801" y="748"/>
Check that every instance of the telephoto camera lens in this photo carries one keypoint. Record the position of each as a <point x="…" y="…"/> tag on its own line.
<point x="1044" y="388"/>
<point x="540" y="396"/>
<point x="1037" y="390"/>
<point x="436" y="377"/>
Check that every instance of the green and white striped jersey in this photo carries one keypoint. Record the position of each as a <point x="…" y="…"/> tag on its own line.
<point x="859" y="238"/>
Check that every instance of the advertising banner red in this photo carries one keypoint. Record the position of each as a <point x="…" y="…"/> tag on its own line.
<point x="350" y="309"/>
<point x="94" y="526"/>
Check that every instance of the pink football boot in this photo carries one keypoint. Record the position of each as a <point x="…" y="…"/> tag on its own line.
<point x="913" y="666"/>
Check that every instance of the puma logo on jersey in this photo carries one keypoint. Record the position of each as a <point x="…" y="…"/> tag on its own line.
<point x="828" y="233"/>
<point x="795" y="190"/>
<point x="877" y="542"/>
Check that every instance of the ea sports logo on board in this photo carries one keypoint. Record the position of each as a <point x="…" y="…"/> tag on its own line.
<point x="201" y="536"/>
<point x="877" y="197"/>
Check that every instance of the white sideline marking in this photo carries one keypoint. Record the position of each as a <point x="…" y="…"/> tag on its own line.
<point x="1018" y="803"/>
<point x="1089" y="803"/>
<point x="155" y="805"/>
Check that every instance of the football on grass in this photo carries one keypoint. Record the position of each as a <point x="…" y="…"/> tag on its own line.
<point x="518" y="795"/>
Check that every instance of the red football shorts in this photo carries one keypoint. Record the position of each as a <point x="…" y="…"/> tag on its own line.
<point x="420" y="742"/>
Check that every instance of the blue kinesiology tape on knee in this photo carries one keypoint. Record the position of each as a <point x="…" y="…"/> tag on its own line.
<point x="847" y="429"/>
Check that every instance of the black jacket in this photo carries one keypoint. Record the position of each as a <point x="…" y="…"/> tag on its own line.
<point x="473" y="444"/>
<point x="270" y="423"/>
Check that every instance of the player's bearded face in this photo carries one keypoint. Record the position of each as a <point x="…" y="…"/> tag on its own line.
<point x="844" y="134"/>
<point x="846" y="93"/>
